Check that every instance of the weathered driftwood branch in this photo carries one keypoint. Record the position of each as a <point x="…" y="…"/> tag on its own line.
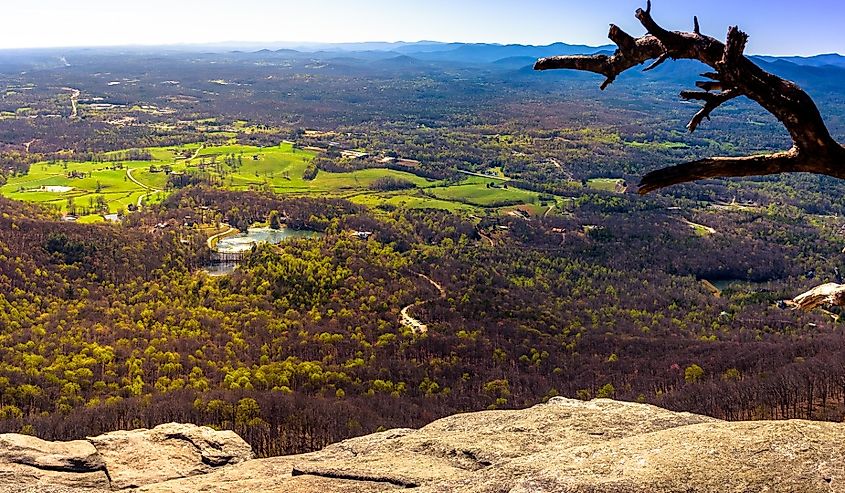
<point x="826" y="294"/>
<point x="813" y="151"/>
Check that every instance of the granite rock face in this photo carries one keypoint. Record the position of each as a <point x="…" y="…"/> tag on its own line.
<point x="117" y="460"/>
<point x="563" y="446"/>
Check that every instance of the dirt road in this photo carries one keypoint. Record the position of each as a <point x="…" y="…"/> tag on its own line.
<point x="74" y="101"/>
<point x="411" y="322"/>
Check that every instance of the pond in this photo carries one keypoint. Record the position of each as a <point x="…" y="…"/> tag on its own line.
<point x="244" y="242"/>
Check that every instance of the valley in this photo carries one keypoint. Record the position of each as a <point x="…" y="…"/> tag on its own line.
<point x="457" y="233"/>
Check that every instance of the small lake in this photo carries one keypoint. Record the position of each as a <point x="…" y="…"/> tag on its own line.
<point x="245" y="241"/>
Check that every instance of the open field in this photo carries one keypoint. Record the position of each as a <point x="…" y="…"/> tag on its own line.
<point x="606" y="184"/>
<point x="93" y="188"/>
<point x="409" y="199"/>
<point x="483" y="192"/>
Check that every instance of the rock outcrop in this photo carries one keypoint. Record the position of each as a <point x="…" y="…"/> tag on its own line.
<point x="563" y="446"/>
<point x="117" y="460"/>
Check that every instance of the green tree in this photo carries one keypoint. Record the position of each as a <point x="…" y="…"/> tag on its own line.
<point x="273" y="220"/>
<point x="606" y="392"/>
<point x="246" y="411"/>
<point x="693" y="373"/>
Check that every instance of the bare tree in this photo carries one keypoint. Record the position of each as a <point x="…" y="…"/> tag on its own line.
<point x="734" y="75"/>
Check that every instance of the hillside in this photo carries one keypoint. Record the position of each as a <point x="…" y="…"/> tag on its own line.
<point x="564" y="445"/>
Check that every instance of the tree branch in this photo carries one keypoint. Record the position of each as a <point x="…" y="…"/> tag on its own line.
<point x="720" y="167"/>
<point x="734" y="75"/>
<point x="631" y="52"/>
<point x="660" y="60"/>
<point x="712" y="101"/>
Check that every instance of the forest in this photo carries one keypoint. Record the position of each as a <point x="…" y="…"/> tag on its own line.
<point x="110" y="327"/>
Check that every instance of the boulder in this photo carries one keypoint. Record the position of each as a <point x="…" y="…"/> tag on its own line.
<point x="27" y="461"/>
<point x="139" y="457"/>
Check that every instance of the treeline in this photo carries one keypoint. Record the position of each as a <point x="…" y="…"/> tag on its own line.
<point x="114" y="156"/>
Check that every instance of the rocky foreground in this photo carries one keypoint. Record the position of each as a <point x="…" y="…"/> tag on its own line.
<point x="563" y="446"/>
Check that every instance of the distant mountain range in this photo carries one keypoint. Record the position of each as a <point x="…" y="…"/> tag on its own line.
<point x="511" y="53"/>
<point x="825" y="71"/>
<point x="821" y="72"/>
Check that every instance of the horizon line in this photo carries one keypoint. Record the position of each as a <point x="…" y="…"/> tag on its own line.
<point x="291" y="45"/>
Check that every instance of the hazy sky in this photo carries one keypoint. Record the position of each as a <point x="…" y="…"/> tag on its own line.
<point x="776" y="26"/>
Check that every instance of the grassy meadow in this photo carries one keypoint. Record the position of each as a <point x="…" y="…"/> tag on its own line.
<point x="121" y="184"/>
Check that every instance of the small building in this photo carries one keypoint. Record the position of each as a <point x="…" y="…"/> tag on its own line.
<point x="353" y="154"/>
<point x="363" y="235"/>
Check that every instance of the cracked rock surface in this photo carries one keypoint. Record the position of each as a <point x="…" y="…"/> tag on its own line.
<point x="563" y="446"/>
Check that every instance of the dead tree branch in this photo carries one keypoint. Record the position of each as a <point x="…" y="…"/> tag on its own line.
<point x="813" y="151"/>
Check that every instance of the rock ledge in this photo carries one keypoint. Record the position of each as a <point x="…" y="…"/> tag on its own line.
<point x="117" y="460"/>
<point x="563" y="446"/>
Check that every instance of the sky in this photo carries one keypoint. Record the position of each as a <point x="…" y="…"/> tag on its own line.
<point x="777" y="27"/>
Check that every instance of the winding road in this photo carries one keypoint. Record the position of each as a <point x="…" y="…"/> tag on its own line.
<point x="406" y="319"/>
<point x="146" y="187"/>
<point x="149" y="188"/>
<point x="196" y="153"/>
<point x="486" y="237"/>
<point x="74" y="101"/>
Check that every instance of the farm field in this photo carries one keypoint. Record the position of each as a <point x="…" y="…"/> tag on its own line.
<point x="480" y="192"/>
<point x="409" y="199"/>
<point x="92" y="189"/>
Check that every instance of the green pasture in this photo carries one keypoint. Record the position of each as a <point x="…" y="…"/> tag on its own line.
<point x="475" y="191"/>
<point x="279" y="168"/>
<point x="409" y="199"/>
